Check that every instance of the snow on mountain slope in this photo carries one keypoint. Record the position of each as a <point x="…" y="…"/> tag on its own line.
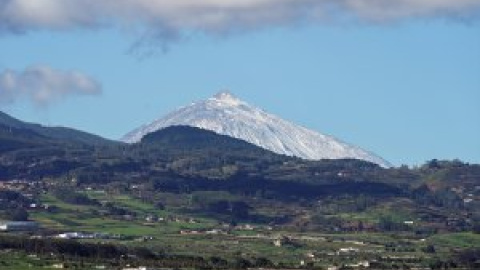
<point x="225" y="114"/>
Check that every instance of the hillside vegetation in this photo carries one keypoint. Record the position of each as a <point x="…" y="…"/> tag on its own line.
<point x="222" y="203"/>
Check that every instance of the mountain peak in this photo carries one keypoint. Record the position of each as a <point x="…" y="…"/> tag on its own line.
<point x="226" y="97"/>
<point x="227" y="115"/>
<point x="225" y="94"/>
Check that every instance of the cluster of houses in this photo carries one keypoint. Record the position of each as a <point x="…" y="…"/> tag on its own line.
<point x="470" y="196"/>
<point x="360" y="264"/>
<point x="140" y="268"/>
<point x="81" y="235"/>
<point x="226" y="229"/>
<point x="154" y="218"/>
<point x="64" y="266"/>
<point x="199" y="232"/>
<point x="10" y="226"/>
<point x="18" y="185"/>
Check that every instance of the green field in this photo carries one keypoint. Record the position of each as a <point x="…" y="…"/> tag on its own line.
<point x="282" y="245"/>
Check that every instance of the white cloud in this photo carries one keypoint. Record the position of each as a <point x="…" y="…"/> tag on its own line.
<point x="167" y="19"/>
<point x="385" y="10"/>
<point x="43" y="85"/>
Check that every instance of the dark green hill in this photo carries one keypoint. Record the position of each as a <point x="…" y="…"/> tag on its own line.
<point x="12" y="138"/>
<point x="191" y="144"/>
<point x="12" y="129"/>
<point x="192" y="138"/>
<point x="194" y="151"/>
<point x="33" y="151"/>
<point x="7" y="120"/>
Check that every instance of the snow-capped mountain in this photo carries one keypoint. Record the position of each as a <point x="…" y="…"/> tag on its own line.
<point x="225" y="114"/>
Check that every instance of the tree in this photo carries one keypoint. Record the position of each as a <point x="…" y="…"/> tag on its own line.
<point x="18" y="214"/>
<point x="219" y="207"/>
<point x="429" y="249"/>
<point x="386" y="224"/>
<point x="360" y="226"/>
<point x="263" y="263"/>
<point x="159" y="206"/>
<point x="241" y="263"/>
<point x="476" y="227"/>
<point x="240" y="210"/>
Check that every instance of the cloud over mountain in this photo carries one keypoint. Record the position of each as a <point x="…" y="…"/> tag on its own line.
<point x="43" y="85"/>
<point x="166" y="19"/>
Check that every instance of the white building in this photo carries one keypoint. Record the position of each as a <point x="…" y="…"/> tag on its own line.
<point x="18" y="226"/>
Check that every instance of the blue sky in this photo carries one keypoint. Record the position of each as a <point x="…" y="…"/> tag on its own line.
<point x="403" y="84"/>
